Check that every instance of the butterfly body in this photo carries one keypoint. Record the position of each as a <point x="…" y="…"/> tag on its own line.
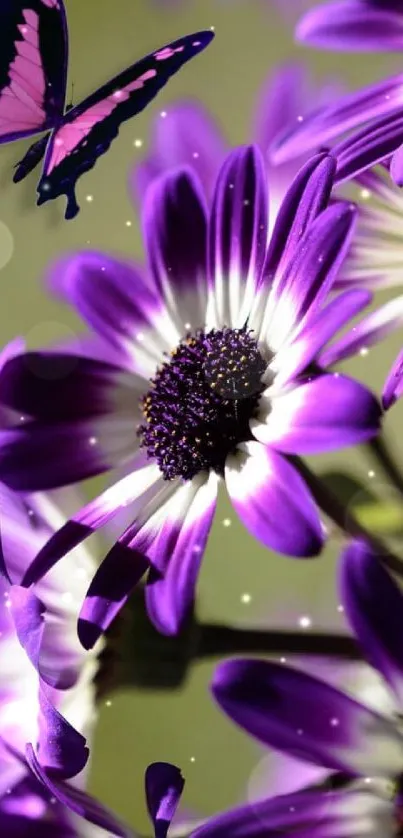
<point x="33" y="72"/>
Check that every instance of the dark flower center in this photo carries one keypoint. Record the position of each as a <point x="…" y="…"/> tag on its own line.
<point x="201" y="400"/>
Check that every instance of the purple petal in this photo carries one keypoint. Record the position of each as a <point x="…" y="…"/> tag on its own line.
<point x="238" y="234"/>
<point x="309" y="813"/>
<point x="57" y="387"/>
<point x="62" y="750"/>
<point x="297" y="356"/>
<point x="393" y="388"/>
<point x="28" y="614"/>
<point x="114" y="300"/>
<point x="175" y="232"/>
<point x="78" y="801"/>
<point x="373" y="328"/>
<point x="374" y="608"/>
<point x="320" y="125"/>
<point x="306" y="198"/>
<point x="41" y="456"/>
<point x="352" y="25"/>
<point x="117" y="576"/>
<point x="309" y="275"/>
<point x="324" y="414"/>
<point x="92" y="517"/>
<point x="164" y="785"/>
<point x="322" y="726"/>
<point x="273" y="501"/>
<point x="188" y="136"/>
<point x="170" y="593"/>
<point x="369" y="145"/>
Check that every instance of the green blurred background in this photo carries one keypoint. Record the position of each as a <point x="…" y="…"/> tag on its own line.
<point x="251" y="38"/>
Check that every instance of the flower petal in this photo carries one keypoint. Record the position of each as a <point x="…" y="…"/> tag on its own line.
<point x="77" y="800"/>
<point x="164" y="785"/>
<point x="273" y="501"/>
<point x="352" y="25"/>
<point x="41" y="455"/>
<point x="309" y="275"/>
<point x="369" y="145"/>
<point x="374" y="608"/>
<point x="297" y="356"/>
<point x="306" y="198"/>
<point x="94" y="515"/>
<point x="188" y="137"/>
<point x="170" y="592"/>
<point x="175" y="232"/>
<point x="324" y="414"/>
<point x="309" y="813"/>
<point x="370" y="330"/>
<point x="114" y="299"/>
<point x="238" y="234"/>
<point x="323" y="726"/>
<point x="317" y="127"/>
<point x="28" y="615"/>
<point x="393" y="388"/>
<point x="57" y="387"/>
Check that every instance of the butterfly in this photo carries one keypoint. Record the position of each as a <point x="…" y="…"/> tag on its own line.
<point x="33" y="75"/>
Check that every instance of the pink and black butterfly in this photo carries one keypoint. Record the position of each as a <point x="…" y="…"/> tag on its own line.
<point x="33" y="74"/>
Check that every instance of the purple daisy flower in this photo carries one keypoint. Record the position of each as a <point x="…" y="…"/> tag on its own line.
<point x="206" y="381"/>
<point x="360" y="748"/>
<point x="356" y="25"/>
<point x="393" y="388"/>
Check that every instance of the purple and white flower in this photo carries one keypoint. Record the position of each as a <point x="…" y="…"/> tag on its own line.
<point x="360" y="748"/>
<point x="205" y="375"/>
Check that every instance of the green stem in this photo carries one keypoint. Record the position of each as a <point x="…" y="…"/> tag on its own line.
<point x="380" y="453"/>
<point x="344" y="519"/>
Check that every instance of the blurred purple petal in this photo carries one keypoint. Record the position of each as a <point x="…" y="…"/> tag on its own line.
<point x="370" y="330"/>
<point x="164" y="785"/>
<point x="273" y="501"/>
<point x="393" y="388"/>
<point x="374" y="607"/>
<point x="323" y="725"/>
<point x="353" y="25"/>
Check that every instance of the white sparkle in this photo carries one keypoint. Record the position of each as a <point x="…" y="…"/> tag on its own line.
<point x="367" y="779"/>
<point x="305" y="622"/>
<point x="227" y="522"/>
<point x="300" y="731"/>
<point x="300" y="118"/>
<point x="163" y="114"/>
<point x="22" y="418"/>
<point x="187" y="325"/>
<point x="89" y="198"/>
<point x="212" y="28"/>
<point x="7" y="604"/>
<point x="365" y="194"/>
<point x="197" y="548"/>
<point x="364" y="351"/>
<point x="283" y="660"/>
<point x="334" y="722"/>
<point x="93" y="440"/>
<point x="246" y="598"/>
<point x="108" y="703"/>
<point x="340" y="609"/>
<point x="195" y="154"/>
<point x="371" y="474"/>
<point x="192" y="759"/>
<point x="140" y="336"/>
<point x="128" y="223"/>
<point x="138" y="143"/>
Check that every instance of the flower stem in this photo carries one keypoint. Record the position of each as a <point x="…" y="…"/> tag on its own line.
<point x="217" y="640"/>
<point x="345" y="519"/>
<point x="379" y="451"/>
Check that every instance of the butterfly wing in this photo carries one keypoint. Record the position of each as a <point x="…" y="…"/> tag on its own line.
<point x="88" y="129"/>
<point x="33" y="66"/>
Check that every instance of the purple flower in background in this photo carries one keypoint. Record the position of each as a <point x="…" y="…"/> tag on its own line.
<point x="361" y="749"/>
<point x="354" y="25"/>
<point x="188" y="134"/>
<point x="393" y="389"/>
<point x="206" y="378"/>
